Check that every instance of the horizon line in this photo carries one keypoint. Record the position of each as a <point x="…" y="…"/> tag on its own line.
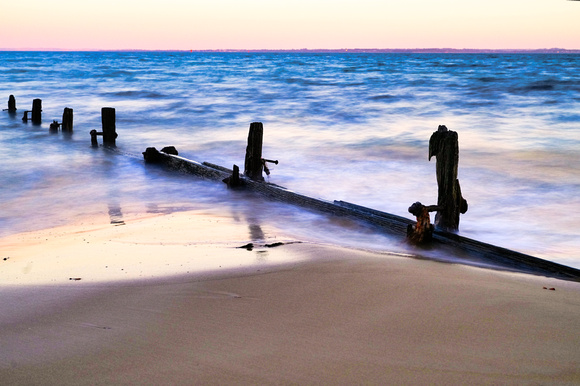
<point x="314" y="50"/>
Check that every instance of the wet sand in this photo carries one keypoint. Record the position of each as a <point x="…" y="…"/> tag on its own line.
<point x="172" y="300"/>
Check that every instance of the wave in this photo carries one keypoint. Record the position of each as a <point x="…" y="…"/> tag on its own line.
<point x="118" y="73"/>
<point x="488" y="79"/>
<point x="17" y="71"/>
<point x="389" y="98"/>
<point x="141" y="94"/>
<point x="542" y="85"/>
<point x="550" y="84"/>
<point x="322" y="82"/>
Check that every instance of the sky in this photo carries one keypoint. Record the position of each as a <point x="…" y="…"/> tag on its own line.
<point x="288" y="24"/>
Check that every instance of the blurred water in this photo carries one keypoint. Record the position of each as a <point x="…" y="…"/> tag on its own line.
<point x="344" y="126"/>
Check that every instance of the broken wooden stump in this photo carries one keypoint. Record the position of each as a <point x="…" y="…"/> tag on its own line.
<point x="151" y="155"/>
<point x="11" y="104"/>
<point x="25" y="116"/>
<point x="422" y="231"/>
<point x="54" y="126"/>
<point x="67" y="120"/>
<point x="94" y="133"/>
<point x="443" y="144"/>
<point x="253" y="163"/>
<point x="108" y="123"/>
<point x="170" y="150"/>
<point x="234" y="180"/>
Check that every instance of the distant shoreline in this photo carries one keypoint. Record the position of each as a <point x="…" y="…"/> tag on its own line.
<point x="412" y="51"/>
<point x="333" y="51"/>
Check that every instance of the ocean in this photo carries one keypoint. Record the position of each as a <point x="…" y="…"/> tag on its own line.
<point x="352" y="127"/>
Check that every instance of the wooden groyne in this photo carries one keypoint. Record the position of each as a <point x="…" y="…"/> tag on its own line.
<point x="108" y="117"/>
<point x="475" y="251"/>
<point x="443" y="145"/>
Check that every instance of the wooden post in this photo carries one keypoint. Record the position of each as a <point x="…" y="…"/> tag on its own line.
<point x="444" y="145"/>
<point x="108" y="122"/>
<point x="67" y="120"/>
<point x="37" y="111"/>
<point x="253" y="163"/>
<point x="11" y="104"/>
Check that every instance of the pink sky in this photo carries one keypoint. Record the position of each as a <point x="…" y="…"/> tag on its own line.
<point x="271" y="24"/>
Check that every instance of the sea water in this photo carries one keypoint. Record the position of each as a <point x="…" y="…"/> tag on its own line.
<point x="352" y="127"/>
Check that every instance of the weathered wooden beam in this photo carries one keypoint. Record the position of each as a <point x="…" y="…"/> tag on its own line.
<point x="471" y="250"/>
<point x="484" y="253"/>
<point x="397" y="225"/>
<point x="506" y="258"/>
<point x="175" y="162"/>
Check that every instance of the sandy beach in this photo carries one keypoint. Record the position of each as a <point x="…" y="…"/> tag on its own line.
<point x="172" y="299"/>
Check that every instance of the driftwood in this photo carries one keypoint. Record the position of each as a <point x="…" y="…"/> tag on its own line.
<point x="443" y="144"/>
<point x="471" y="250"/>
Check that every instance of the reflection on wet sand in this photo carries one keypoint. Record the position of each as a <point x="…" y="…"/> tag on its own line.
<point x="116" y="215"/>
<point x="257" y="236"/>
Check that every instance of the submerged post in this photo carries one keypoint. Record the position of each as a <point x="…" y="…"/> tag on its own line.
<point x="444" y="145"/>
<point x="108" y="122"/>
<point x="253" y="163"/>
<point x="67" y="120"/>
<point x="54" y="126"/>
<point x="11" y="104"/>
<point x="37" y="111"/>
